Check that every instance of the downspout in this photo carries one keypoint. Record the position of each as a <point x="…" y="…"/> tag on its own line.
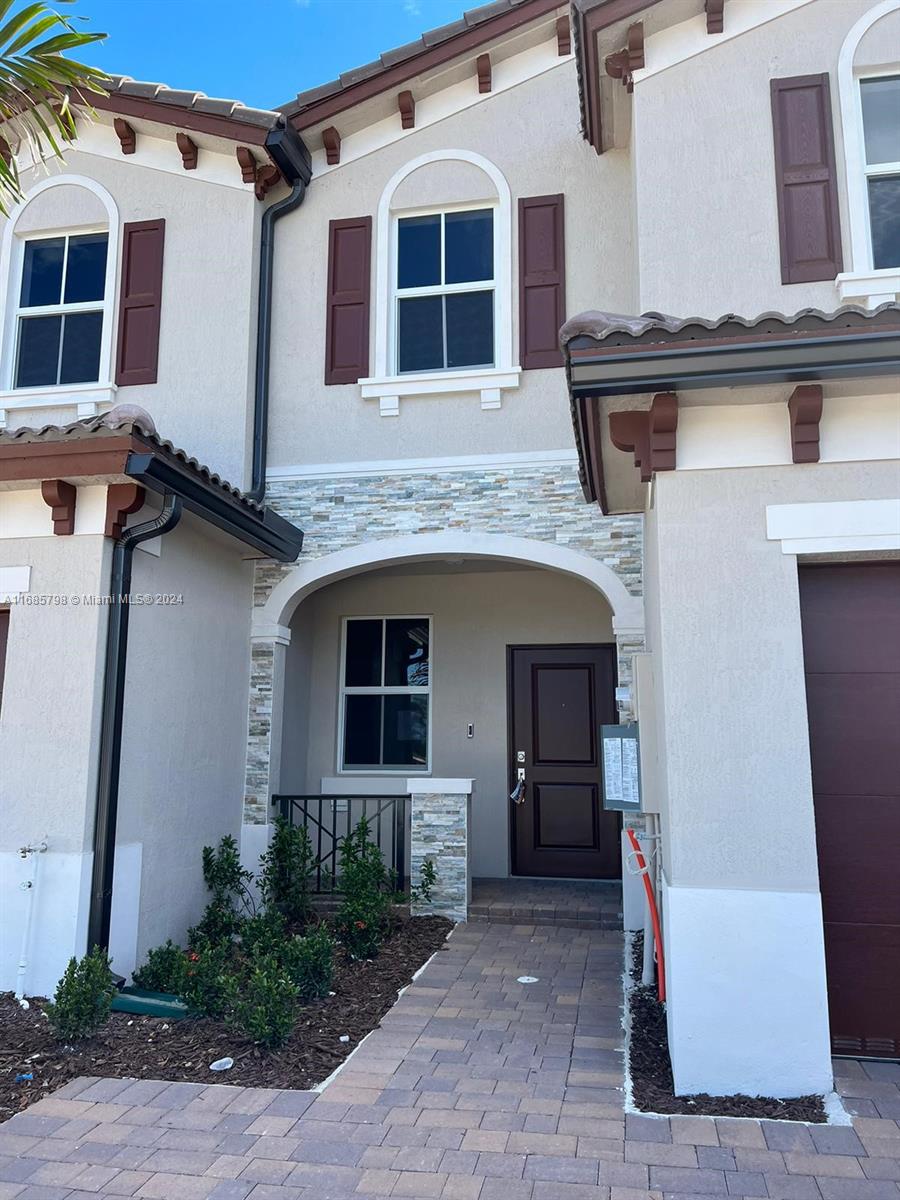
<point x="293" y="158"/>
<point x="110" y="753"/>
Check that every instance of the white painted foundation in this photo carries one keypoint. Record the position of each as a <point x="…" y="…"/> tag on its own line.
<point x="747" y="1003"/>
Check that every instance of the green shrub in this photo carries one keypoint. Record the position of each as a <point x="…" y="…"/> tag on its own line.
<point x="363" y="918"/>
<point x="163" y="971"/>
<point x="232" y="900"/>
<point x="209" y="981"/>
<point x="309" y="962"/>
<point x="263" y="1007"/>
<point x="286" y="868"/>
<point x="264" y="934"/>
<point x="83" y="997"/>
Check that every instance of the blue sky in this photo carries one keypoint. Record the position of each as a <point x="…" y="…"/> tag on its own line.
<point x="262" y="53"/>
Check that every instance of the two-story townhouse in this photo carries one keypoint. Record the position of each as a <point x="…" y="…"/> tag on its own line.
<point x="129" y="284"/>
<point x="460" y="619"/>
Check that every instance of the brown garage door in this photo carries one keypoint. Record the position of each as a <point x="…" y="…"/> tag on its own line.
<point x="851" y="644"/>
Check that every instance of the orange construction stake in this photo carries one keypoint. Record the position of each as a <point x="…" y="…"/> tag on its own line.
<point x="654" y="914"/>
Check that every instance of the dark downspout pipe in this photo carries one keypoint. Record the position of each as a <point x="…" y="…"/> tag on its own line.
<point x="110" y="753"/>
<point x="264" y="334"/>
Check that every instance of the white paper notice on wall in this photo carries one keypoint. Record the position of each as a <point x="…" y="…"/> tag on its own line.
<point x="621" y="771"/>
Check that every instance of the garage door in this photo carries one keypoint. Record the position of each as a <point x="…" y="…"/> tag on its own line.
<point x="851" y="643"/>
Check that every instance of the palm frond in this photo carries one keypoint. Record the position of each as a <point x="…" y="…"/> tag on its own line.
<point x="39" y="83"/>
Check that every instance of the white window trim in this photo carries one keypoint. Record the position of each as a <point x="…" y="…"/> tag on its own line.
<point x="344" y="691"/>
<point x="85" y="398"/>
<point x="385" y="385"/>
<point x="861" y="282"/>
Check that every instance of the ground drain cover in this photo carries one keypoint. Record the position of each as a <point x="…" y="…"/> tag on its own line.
<point x="528" y="979"/>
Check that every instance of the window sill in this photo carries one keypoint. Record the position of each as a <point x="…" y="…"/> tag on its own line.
<point x="85" y="398"/>
<point x="488" y="382"/>
<point x="869" y="287"/>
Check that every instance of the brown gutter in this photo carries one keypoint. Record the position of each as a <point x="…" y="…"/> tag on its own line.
<point x="427" y="60"/>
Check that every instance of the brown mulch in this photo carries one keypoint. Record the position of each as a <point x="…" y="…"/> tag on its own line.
<point x="138" y="1047"/>
<point x="653" y="1089"/>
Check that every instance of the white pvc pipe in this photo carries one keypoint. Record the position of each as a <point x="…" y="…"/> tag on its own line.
<point x="29" y="886"/>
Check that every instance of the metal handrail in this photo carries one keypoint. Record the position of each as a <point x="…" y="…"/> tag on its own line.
<point x="322" y="817"/>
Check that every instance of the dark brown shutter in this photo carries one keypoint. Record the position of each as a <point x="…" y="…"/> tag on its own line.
<point x="347" y="322"/>
<point x="4" y="637"/>
<point x="542" y="280"/>
<point x="140" y="301"/>
<point x="808" y="218"/>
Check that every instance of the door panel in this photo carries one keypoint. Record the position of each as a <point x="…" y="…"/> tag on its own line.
<point x="851" y="644"/>
<point x="558" y="697"/>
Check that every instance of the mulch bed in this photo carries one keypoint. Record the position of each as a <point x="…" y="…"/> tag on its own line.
<point x="151" y="1048"/>
<point x="653" y="1089"/>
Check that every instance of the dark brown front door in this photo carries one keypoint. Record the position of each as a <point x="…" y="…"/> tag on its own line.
<point x="851" y="646"/>
<point x="558" y="698"/>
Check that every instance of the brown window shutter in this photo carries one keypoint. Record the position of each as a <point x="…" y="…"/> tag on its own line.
<point x="809" y="222"/>
<point x="542" y="280"/>
<point x="347" y="322"/>
<point x="140" y="301"/>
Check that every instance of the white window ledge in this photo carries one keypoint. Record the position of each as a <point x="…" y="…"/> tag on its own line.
<point x="869" y="287"/>
<point x="85" y="398"/>
<point x="489" y="382"/>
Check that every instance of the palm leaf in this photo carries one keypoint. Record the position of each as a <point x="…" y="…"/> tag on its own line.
<point x="38" y="84"/>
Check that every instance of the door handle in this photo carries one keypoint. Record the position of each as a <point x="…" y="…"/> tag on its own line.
<point x="517" y="795"/>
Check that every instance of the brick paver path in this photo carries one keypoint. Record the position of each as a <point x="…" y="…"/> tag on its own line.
<point x="475" y="1088"/>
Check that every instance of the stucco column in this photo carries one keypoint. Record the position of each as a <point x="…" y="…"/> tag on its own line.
<point x="440" y="811"/>
<point x="268" y="647"/>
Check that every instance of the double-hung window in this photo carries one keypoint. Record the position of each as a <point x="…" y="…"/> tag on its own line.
<point x="444" y="291"/>
<point x="385" y="694"/>
<point x="59" y="322"/>
<point x="880" y="98"/>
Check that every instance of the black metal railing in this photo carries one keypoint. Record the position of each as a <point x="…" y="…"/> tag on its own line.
<point x="329" y="819"/>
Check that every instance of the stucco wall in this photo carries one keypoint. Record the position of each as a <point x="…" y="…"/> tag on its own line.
<point x="475" y="616"/>
<point x="726" y="613"/>
<point x="313" y="423"/>
<point x="207" y="332"/>
<point x="185" y="723"/>
<point x="708" y="227"/>
<point x="49" y="725"/>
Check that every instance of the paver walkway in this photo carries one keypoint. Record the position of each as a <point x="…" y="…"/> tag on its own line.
<point x="475" y="1088"/>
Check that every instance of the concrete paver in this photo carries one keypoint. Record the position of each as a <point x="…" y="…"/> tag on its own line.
<point x="476" y="1087"/>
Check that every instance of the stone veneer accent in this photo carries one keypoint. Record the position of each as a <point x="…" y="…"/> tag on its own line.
<point x="439" y="830"/>
<point x="534" y="501"/>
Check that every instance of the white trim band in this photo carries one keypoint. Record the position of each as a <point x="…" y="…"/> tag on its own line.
<point x="830" y="528"/>
<point x="517" y="460"/>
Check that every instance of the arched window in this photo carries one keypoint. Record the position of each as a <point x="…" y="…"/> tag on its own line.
<point x="870" y="101"/>
<point x="443" y="279"/>
<point x="59" y="260"/>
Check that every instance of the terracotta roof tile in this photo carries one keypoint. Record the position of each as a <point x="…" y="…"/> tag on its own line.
<point x="159" y="93"/>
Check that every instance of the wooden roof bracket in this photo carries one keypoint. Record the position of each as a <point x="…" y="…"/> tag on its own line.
<point x="563" y="36"/>
<point x="126" y="135"/>
<point x="121" y="499"/>
<point x="715" y="16"/>
<point x="805" y="409"/>
<point x="60" y="496"/>
<point x="483" y="69"/>
<point x="649" y="434"/>
<point x="623" y="63"/>
<point x="407" y="105"/>
<point x="187" y="147"/>
<point x="332" y="142"/>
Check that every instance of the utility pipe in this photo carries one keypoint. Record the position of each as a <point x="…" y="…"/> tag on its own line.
<point x="644" y="870"/>
<point x="110" y="753"/>
<point x="29" y="886"/>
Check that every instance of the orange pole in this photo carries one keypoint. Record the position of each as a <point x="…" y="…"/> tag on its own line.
<point x="654" y="914"/>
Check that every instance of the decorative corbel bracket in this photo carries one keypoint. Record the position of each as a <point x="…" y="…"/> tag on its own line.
<point x="563" y="36"/>
<point x="60" y="496"/>
<point x="623" y="63"/>
<point x="805" y="409"/>
<point x="648" y="434"/>
<point x="266" y="178"/>
<point x="188" y="149"/>
<point x="332" y="142"/>
<point x="483" y="70"/>
<point x="247" y="163"/>
<point x="407" y="105"/>
<point x="121" y="499"/>
<point x="715" y="16"/>
<point x="126" y="135"/>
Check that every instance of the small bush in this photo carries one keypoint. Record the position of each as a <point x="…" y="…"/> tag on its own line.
<point x="363" y="918"/>
<point x="309" y="962"/>
<point x="263" y="1007"/>
<point x="232" y="900"/>
<point x="286" y="872"/>
<point x="209" y="982"/>
<point x="83" y="996"/>
<point x="264" y="934"/>
<point x="163" y="971"/>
